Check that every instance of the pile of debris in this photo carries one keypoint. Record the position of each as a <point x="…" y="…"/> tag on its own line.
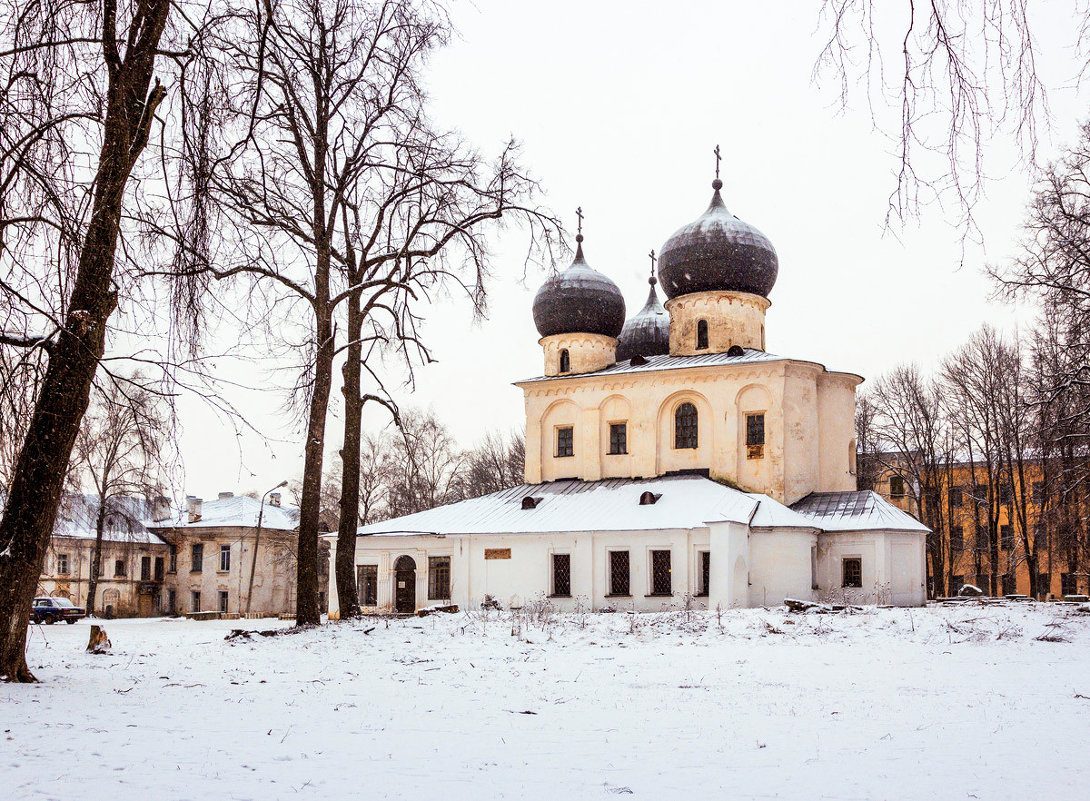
<point x="813" y="608"/>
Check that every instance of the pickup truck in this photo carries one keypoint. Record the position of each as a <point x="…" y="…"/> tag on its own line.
<point x="50" y="610"/>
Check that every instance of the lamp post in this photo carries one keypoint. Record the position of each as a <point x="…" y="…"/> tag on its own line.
<point x="257" y="542"/>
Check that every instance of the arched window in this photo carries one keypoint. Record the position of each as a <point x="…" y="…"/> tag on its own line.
<point x="565" y="361"/>
<point x="685" y="429"/>
<point x="702" y="335"/>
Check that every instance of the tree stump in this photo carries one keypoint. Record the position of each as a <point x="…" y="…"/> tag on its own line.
<point x="99" y="642"/>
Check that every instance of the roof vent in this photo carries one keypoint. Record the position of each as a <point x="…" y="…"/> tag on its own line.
<point x="649" y="498"/>
<point x="530" y="503"/>
<point x="225" y="495"/>
<point x="638" y="361"/>
<point x="735" y="351"/>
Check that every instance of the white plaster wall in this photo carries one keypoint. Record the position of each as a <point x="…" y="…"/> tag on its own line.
<point x="781" y="565"/>
<point x="836" y="431"/>
<point x="894" y="571"/>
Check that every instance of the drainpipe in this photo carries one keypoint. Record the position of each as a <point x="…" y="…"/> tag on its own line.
<point x="257" y="541"/>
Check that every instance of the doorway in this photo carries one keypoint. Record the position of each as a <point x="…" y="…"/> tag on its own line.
<point x="405" y="584"/>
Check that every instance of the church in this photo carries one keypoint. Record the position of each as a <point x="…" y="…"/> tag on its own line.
<point x="671" y="461"/>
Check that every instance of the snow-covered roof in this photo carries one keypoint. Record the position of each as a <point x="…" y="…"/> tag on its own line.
<point x="236" y="511"/>
<point x="77" y="518"/>
<point x="684" y="502"/>
<point x="667" y="362"/>
<point x="860" y="510"/>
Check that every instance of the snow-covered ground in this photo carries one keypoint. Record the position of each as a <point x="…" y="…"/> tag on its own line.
<point x="942" y="703"/>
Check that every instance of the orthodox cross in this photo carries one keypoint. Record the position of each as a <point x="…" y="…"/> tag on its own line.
<point x="579" y="214"/>
<point x="717" y="160"/>
<point x="653" y="260"/>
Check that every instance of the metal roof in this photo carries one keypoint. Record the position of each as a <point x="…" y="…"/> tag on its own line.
<point x="238" y="511"/>
<point x="667" y="362"/>
<point x="77" y="518"/>
<point x="860" y="510"/>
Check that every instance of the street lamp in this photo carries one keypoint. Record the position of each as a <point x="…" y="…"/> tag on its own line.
<point x="257" y="542"/>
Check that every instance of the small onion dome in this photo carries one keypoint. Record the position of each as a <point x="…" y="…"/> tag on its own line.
<point x="646" y="333"/>
<point x="579" y="300"/>
<point x="717" y="252"/>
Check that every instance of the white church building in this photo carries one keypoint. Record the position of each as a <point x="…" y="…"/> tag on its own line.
<point x="670" y="460"/>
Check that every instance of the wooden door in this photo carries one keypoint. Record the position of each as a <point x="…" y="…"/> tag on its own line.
<point x="405" y="584"/>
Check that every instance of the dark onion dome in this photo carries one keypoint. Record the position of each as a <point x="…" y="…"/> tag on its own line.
<point x="646" y="333"/>
<point x="579" y="300"/>
<point x="717" y="252"/>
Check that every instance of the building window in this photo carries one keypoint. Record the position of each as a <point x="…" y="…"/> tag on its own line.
<point x="172" y="602"/>
<point x="980" y="494"/>
<point x="981" y="581"/>
<point x="1006" y="538"/>
<point x="438" y="578"/>
<point x="660" y="573"/>
<point x="565" y="361"/>
<point x="702" y="335"/>
<point x="172" y="558"/>
<point x="197" y="553"/>
<point x="1068" y="584"/>
<point x="62" y="564"/>
<point x="957" y="539"/>
<point x="956" y="583"/>
<point x="1008" y="584"/>
<point x="954" y="497"/>
<point x="223" y="600"/>
<point x="618" y="438"/>
<point x="119" y="568"/>
<point x="755" y="435"/>
<point x="618" y="573"/>
<point x="853" y="572"/>
<point x="896" y="487"/>
<point x="367" y="584"/>
<point x="562" y="574"/>
<point x="704" y="581"/>
<point x="225" y="558"/>
<point x="565" y="441"/>
<point x="1005" y="493"/>
<point x="1044" y="583"/>
<point x="982" y="538"/>
<point x="145" y="568"/>
<point x="195" y="601"/>
<point x="158" y="568"/>
<point x="686" y="434"/>
<point x="1038" y="492"/>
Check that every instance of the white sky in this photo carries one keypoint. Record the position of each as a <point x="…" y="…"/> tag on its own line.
<point x="619" y="107"/>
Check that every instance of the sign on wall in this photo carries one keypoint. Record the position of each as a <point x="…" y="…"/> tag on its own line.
<point x="497" y="553"/>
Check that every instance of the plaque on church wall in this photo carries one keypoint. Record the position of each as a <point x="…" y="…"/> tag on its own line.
<point x="497" y="553"/>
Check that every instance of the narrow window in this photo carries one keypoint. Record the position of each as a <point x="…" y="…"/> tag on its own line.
<point x="702" y="335"/>
<point x="223" y="600"/>
<point x="565" y="361"/>
<point x="438" y="578"/>
<point x="980" y="494"/>
<point x="755" y="429"/>
<point x="660" y="573"/>
<point x="618" y="438"/>
<point x="197" y="553"/>
<point x="1008" y="584"/>
<point x="1044" y="584"/>
<point x="1005" y="493"/>
<point x="896" y="487"/>
<point x="705" y="582"/>
<point x="1068" y="584"/>
<point x="954" y="496"/>
<point x="685" y="427"/>
<point x="367" y="584"/>
<point x="562" y="575"/>
<point x="618" y="573"/>
<point x="982" y="539"/>
<point x="119" y="568"/>
<point x="172" y="602"/>
<point x="158" y="568"/>
<point x="62" y="564"/>
<point x="956" y="583"/>
<point x="981" y="580"/>
<point x="145" y="568"/>
<point x="1006" y="538"/>
<point x="853" y="572"/>
<point x="172" y="558"/>
<point x="225" y="558"/>
<point x="565" y="441"/>
<point x="195" y="601"/>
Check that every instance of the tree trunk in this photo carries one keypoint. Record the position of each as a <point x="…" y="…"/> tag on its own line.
<point x="96" y="558"/>
<point x="38" y="481"/>
<point x="347" y="592"/>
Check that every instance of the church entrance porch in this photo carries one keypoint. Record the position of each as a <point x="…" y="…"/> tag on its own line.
<point x="405" y="584"/>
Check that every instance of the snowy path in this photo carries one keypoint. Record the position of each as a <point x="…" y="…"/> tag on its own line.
<point x="892" y="704"/>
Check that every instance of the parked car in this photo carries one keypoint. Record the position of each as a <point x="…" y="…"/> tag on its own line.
<point x="50" y="610"/>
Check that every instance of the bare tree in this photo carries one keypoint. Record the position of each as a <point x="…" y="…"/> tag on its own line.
<point x="121" y="453"/>
<point x="867" y="445"/>
<point x="426" y="467"/>
<point x="497" y="463"/>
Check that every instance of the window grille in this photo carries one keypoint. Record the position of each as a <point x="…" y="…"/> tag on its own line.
<point x="565" y="441"/>
<point x="619" y="573"/>
<point x="618" y="438"/>
<point x="197" y="553"/>
<point x="367" y="584"/>
<point x="853" y="572"/>
<point x="225" y="558"/>
<point x="702" y="335"/>
<point x="62" y="564"/>
<point x="660" y="573"/>
<point x="685" y="427"/>
<point x="565" y="361"/>
<point x="438" y="578"/>
<point x="755" y="429"/>
<point x="145" y="568"/>
<point x="562" y="574"/>
<point x="705" y="573"/>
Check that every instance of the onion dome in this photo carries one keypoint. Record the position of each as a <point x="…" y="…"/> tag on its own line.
<point x="717" y="252"/>
<point x="579" y="300"/>
<point x="646" y="333"/>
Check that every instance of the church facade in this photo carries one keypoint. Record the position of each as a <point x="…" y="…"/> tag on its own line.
<point x="670" y="459"/>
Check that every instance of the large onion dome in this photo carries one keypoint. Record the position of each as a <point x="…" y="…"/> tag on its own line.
<point x="717" y="252"/>
<point x="579" y="300"/>
<point x="646" y="333"/>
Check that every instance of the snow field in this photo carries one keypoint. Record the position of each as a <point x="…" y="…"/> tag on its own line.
<point x="943" y="703"/>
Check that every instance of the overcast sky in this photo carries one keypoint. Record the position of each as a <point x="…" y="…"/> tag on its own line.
<point x="619" y="107"/>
